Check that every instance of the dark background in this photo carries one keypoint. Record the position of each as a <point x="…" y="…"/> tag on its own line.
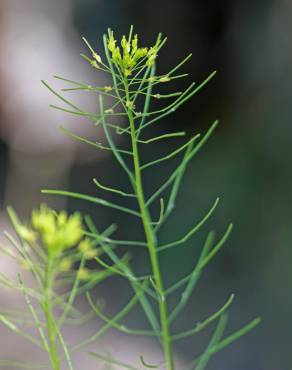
<point x="246" y="162"/>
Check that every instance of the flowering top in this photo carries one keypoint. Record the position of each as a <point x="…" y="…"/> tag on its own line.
<point x="58" y="233"/>
<point x="61" y="235"/>
<point x="129" y="54"/>
<point x="58" y="230"/>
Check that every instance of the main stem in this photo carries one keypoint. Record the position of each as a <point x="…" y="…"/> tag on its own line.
<point x="166" y="339"/>
<point x="48" y="311"/>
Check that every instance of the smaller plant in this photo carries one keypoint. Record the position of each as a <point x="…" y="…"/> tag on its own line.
<point x="54" y="250"/>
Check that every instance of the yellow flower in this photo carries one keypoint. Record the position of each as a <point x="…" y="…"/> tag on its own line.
<point x="62" y="218"/>
<point x="83" y="274"/>
<point x="58" y="231"/>
<point x="151" y="60"/>
<point x="152" y="54"/>
<point x="65" y="265"/>
<point x="125" y="45"/>
<point x="131" y="55"/>
<point x="135" y="43"/>
<point x="27" y="234"/>
<point x="43" y="220"/>
<point x="140" y="53"/>
<point x="116" y="55"/>
<point x="86" y="249"/>
<point x="90" y="254"/>
<point x="111" y="42"/>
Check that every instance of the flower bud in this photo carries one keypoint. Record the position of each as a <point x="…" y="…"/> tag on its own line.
<point x="65" y="265"/>
<point x="164" y="79"/>
<point x="108" y="88"/>
<point x="125" y="45"/>
<point x="27" y="234"/>
<point x="111" y="42"/>
<point x="97" y="58"/>
<point x="135" y="42"/>
<point x="83" y="274"/>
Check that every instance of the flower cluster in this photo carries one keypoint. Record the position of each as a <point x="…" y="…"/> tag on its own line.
<point x="58" y="231"/>
<point x="127" y="57"/>
<point x="61" y="235"/>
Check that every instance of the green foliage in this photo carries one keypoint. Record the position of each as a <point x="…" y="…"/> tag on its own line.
<point x="65" y="241"/>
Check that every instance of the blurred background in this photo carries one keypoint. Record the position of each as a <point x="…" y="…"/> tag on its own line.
<point x="247" y="162"/>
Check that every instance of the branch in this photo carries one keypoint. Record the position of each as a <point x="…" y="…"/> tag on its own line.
<point x="92" y="200"/>
<point x="192" y="231"/>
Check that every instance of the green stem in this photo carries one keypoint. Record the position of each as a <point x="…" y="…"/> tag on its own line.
<point x="150" y="238"/>
<point x="48" y="311"/>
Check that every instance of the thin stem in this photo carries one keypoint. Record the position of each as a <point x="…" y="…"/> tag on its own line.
<point x="150" y="238"/>
<point x="48" y="311"/>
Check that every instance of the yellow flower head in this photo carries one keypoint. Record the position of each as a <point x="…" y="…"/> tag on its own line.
<point x="58" y="231"/>
<point x="131" y="53"/>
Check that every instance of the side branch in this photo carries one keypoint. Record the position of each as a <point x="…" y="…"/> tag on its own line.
<point x="91" y="199"/>
<point x="192" y="231"/>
